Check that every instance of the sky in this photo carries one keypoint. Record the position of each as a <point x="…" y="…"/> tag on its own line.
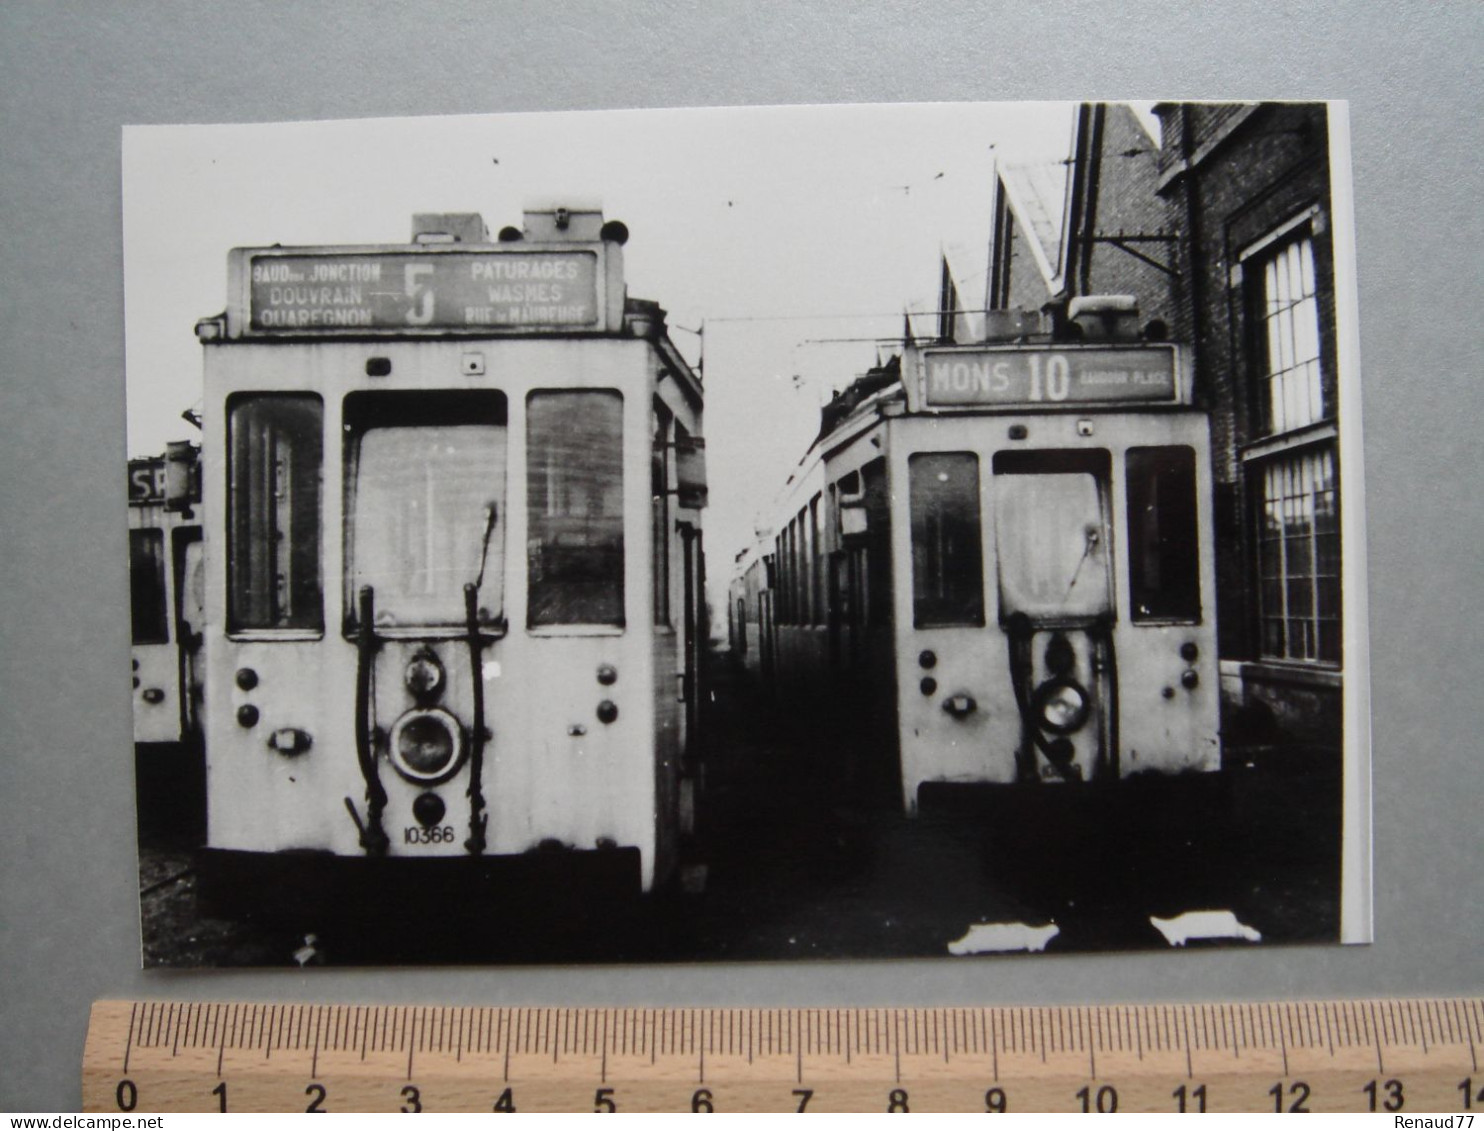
<point x="769" y="234"/>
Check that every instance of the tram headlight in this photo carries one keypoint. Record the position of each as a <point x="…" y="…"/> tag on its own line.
<point x="426" y="745"/>
<point x="1062" y="706"/>
<point x="424" y="676"/>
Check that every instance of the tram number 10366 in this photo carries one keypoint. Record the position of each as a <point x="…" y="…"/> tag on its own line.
<point x="437" y="834"/>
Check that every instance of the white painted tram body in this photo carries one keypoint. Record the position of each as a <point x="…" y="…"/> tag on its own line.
<point x="454" y="569"/>
<point x="995" y="566"/>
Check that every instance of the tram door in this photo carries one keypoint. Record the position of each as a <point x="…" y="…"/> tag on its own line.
<point x="1056" y="607"/>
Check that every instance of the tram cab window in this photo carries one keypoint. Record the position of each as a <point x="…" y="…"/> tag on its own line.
<point x="947" y="560"/>
<point x="147" y="586"/>
<point x="1051" y="534"/>
<point x="275" y="467"/>
<point x="1163" y="547"/>
<point x="425" y="504"/>
<point x="574" y="475"/>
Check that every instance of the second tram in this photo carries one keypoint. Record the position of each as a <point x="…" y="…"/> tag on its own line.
<point x="995" y="565"/>
<point x="166" y="589"/>
<point x="455" y="559"/>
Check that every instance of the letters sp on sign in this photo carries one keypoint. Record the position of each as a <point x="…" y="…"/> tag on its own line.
<point x="146" y="481"/>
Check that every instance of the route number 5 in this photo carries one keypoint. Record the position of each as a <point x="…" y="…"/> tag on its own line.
<point x="421" y="294"/>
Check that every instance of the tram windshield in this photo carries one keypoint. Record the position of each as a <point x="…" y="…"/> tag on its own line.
<point x="426" y="496"/>
<point x="1050" y="532"/>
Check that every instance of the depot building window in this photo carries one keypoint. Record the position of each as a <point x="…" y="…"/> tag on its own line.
<point x="575" y="491"/>
<point x="275" y="457"/>
<point x="1292" y="469"/>
<point x="1287" y="310"/>
<point x="1299" y="558"/>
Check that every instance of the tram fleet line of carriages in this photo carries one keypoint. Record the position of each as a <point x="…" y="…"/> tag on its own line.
<point x="994" y="568"/>
<point x="434" y="597"/>
<point x="453" y="588"/>
<point x="167" y="593"/>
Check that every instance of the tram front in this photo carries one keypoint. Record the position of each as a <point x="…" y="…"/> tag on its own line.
<point x="1058" y="624"/>
<point x="411" y="449"/>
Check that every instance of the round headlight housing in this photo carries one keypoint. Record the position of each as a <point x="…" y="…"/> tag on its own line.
<point x="427" y="745"/>
<point x="1061" y="706"/>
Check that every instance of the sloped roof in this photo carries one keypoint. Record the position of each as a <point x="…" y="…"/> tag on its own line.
<point x="968" y="266"/>
<point x="1037" y="196"/>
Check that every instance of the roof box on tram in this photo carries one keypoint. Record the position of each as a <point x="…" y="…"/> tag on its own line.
<point x="1105" y="318"/>
<point x="182" y="475"/>
<point x="1013" y="325"/>
<point x="449" y="227"/>
<point x="558" y="220"/>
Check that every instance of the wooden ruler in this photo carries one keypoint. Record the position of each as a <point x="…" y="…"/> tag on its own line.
<point x="1350" y="1056"/>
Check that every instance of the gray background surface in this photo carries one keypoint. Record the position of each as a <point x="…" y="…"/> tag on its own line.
<point x="72" y="74"/>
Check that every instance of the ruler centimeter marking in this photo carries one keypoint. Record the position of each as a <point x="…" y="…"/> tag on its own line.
<point x="1385" y="1056"/>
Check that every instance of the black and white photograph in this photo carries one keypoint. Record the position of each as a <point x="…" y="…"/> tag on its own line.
<point x="769" y="533"/>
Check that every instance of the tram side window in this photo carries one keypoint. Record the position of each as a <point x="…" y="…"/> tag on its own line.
<point x="147" y="586"/>
<point x="575" y="550"/>
<point x="817" y="561"/>
<point x="1163" y="536"/>
<point x="659" y="473"/>
<point x="947" y="555"/>
<point x="276" y="457"/>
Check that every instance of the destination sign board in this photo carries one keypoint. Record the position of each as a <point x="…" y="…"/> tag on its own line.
<point x="458" y="290"/>
<point x="1041" y="376"/>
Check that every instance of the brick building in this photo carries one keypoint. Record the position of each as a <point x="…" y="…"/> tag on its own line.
<point x="1250" y="187"/>
<point x="1217" y="220"/>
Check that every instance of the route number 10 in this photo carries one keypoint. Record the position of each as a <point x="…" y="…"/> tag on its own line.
<point x="1057" y="381"/>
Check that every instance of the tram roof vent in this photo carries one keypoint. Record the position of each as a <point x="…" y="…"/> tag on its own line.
<point x="449" y="227"/>
<point x="1106" y="318"/>
<point x="571" y="220"/>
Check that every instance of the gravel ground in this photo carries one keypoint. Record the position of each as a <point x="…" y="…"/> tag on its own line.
<point x="809" y="870"/>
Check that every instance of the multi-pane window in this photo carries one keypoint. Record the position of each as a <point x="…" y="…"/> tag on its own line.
<point x="275" y="446"/>
<point x="1288" y="317"/>
<point x="1295" y="491"/>
<point x="947" y="555"/>
<point x="1299" y="558"/>
<point x="574" y="473"/>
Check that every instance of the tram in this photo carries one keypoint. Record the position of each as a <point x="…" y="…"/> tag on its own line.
<point x="995" y="564"/>
<point x="455" y="572"/>
<point x="167" y="620"/>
